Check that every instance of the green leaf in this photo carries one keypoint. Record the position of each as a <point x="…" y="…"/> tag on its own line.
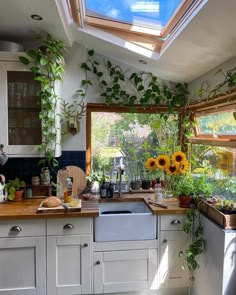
<point x="99" y="74"/>
<point x="43" y="61"/>
<point x="32" y="53"/>
<point x="108" y="64"/>
<point x="103" y="82"/>
<point x="85" y="67"/>
<point x="24" y="60"/>
<point x="234" y="114"/>
<point x="91" y="52"/>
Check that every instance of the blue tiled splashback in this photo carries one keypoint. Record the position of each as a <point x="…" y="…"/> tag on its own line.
<point x="25" y="168"/>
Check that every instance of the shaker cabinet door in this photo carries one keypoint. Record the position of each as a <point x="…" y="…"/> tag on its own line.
<point x="68" y="265"/>
<point x="22" y="266"/>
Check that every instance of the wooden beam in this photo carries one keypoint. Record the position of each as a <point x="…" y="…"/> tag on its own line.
<point x="75" y="11"/>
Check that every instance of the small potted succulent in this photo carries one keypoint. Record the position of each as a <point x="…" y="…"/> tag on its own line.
<point x="15" y="189"/>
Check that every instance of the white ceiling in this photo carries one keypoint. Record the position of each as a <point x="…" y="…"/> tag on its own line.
<point x="207" y="40"/>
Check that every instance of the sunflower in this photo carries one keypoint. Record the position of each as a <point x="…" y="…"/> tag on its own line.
<point x="178" y="157"/>
<point x="184" y="167"/>
<point x="151" y="164"/>
<point x="162" y="162"/>
<point x="172" y="169"/>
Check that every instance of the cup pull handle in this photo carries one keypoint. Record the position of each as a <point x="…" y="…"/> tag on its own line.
<point x="164" y="241"/>
<point x="98" y="262"/>
<point x="85" y="245"/>
<point x="16" y="228"/>
<point x="68" y="226"/>
<point x="175" y="221"/>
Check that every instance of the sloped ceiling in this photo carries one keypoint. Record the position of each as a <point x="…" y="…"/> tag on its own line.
<point x="206" y="41"/>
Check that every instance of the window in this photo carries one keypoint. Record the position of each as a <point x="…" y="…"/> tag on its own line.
<point x="116" y="136"/>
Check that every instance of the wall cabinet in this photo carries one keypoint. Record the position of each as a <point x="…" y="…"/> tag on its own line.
<point x="172" y="240"/>
<point x="69" y="256"/>
<point x="22" y="258"/>
<point x="21" y="131"/>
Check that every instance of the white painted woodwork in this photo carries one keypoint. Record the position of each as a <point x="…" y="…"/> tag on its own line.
<point x="125" y="271"/>
<point x="171" y="222"/>
<point x="69" y="265"/>
<point x="170" y="265"/>
<point x="22" y="266"/>
<point x="217" y="272"/>
<point x="27" y="228"/>
<point x="80" y="226"/>
<point x="17" y="150"/>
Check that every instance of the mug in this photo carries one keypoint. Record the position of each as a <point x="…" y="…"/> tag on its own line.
<point x="3" y="158"/>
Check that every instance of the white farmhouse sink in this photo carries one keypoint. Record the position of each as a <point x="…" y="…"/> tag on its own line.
<point x="124" y="221"/>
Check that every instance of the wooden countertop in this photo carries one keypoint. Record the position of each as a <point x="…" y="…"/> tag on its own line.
<point x="26" y="209"/>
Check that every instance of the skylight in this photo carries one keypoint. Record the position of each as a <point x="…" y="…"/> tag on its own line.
<point x="151" y="13"/>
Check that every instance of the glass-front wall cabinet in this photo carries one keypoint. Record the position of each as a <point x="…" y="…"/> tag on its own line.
<point x="24" y="125"/>
<point x="20" y="131"/>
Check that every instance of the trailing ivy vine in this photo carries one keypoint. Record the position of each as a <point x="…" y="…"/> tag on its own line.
<point x="142" y="88"/>
<point x="47" y="63"/>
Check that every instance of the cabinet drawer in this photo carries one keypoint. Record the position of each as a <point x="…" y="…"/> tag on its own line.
<point x="69" y="226"/>
<point x="171" y="222"/>
<point x="22" y="228"/>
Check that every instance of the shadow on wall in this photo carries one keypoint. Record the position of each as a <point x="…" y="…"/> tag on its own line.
<point x="25" y="168"/>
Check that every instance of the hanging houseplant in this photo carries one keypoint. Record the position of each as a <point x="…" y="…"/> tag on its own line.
<point x="47" y="63"/>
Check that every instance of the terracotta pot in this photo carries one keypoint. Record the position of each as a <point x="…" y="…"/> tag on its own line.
<point x="19" y="195"/>
<point x="184" y="201"/>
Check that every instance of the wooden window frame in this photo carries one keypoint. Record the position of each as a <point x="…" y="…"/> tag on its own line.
<point x="101" y="107"/>
<point x="219" y="104"/>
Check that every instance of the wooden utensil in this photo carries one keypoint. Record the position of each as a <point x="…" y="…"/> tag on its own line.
<point x="158" y="204"/>
<point x="79" y="179"/>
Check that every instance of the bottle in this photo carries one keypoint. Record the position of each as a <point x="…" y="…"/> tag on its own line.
<point x="103" y="190"/>
<point x="110" y="190"/>
<point x="68" y="192"/>
<point x="158" y="191"/>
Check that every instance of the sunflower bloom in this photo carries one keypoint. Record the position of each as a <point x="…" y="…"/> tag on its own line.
<point x="172" y="169"/>
<point x="162" y="162"/>
<point x="178" y="157"/>
<point x="183" y="167"/>
<point x="151" y="164"/>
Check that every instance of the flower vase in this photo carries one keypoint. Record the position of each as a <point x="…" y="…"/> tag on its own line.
<point x="168" y="186"/>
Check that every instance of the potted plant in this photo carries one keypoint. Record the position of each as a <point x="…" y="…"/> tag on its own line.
<point x="15" y="189"/>
<point x="93" y="180"/>
<point x="184" y="189"/>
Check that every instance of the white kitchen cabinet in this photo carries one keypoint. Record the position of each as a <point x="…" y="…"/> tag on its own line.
<point x="217" y="272"/>
<point x="22" y="258"/>
<point x="21" y="130"/>
<point x="172" y="240"/>
<point x="125" y="271"/>
<point x="69" y="252"/>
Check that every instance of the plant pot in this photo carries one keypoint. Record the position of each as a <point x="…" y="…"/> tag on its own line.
<point x="146" y="184"/>
<point x="184" y="201"/>
<point x="135" y="185"/>
<point x="19" y="195"/>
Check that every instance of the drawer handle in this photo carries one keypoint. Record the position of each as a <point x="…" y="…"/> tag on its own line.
<point x="98" y="262"/>
<point x="68" y="226"/>
<point x="85" y="245"/>
<point x="16" y="228"/>
<point x="175" y="221"/>
<point x="164" y="241"/>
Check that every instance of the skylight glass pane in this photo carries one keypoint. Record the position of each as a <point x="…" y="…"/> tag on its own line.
<point x="154" y="13"/>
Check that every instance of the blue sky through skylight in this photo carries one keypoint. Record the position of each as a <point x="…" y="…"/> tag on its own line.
<point x="154" y="13"/>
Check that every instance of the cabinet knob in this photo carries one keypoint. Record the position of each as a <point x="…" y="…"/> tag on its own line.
<point x="98" y="262"/>
<point x="175" y="221"/>
<point x="68" y="226"/>
<point x="85" y="245"/>
<point x="16" y="228"/>
<point x="164" y="241"/>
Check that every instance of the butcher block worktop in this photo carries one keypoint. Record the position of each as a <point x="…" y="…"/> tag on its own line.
<point x="27" y="208"/>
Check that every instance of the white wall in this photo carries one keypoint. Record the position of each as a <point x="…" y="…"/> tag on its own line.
<point x="213" y="80"/>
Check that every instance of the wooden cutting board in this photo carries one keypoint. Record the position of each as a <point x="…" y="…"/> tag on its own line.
<point x="60" y="208"/>
<point x="79" y="179"/>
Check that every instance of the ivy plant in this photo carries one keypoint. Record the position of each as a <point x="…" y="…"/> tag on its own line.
<point x="47" y="63"/>
<point x="144" y="88"/>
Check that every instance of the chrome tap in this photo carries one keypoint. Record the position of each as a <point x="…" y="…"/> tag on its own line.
<point x="120" y="172"/>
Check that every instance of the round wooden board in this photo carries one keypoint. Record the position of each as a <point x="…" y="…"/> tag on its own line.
<point x="79" y="179"/>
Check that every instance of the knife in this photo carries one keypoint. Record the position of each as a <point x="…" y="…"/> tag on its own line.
<point x="158" y="204"/>
<point x="64" y="206"/>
